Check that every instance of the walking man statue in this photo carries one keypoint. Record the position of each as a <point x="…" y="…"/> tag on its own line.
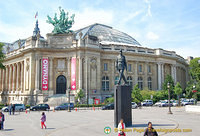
<point x="120" y="66"/>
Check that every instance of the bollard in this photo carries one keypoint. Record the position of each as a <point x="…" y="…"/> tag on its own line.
<point x="93" y="108"/>
<point x="75" y="109"/>
<point x="26" y="111"/>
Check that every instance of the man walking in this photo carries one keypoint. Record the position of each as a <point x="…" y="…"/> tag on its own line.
<point x="150" y="131"/>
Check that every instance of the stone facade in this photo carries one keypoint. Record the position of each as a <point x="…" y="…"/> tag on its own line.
<point x="95" y="67"/>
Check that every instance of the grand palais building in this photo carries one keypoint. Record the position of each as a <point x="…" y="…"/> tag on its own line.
<point x="36" y="68"/>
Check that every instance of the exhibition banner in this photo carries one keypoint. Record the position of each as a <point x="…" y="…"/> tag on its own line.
<point x="45" y="64"/>
<point x="73" y="73"/>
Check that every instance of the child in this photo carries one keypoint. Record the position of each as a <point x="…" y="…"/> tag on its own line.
<point x="43" y="119"/>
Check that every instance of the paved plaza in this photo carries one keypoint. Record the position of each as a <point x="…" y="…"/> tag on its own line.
<point x="92" y="123"/>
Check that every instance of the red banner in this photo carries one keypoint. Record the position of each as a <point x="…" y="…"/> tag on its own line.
<point x="96" y="101"/>
<point x="73" y="74"/>
<point x="45" y="64"/>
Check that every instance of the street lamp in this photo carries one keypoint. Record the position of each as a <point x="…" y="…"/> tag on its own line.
<point x="69" y="110"/>
<point x="168" y="86"/>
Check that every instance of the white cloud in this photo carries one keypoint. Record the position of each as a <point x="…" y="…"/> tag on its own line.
<point x="152" y="36"/>
<point x="149" y="8"/>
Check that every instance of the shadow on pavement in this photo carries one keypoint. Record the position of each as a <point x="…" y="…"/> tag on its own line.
<point x="8" y="129"/>
<point x="50" y="128"/>
<point x="145" y="125"/>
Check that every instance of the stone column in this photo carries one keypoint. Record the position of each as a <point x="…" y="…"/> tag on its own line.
<point x="112" y="82"/>
<point x="69" y="71"/>
<point x="136" y="72"/>
<point x="14" y="78"/>
<point x="37" y="67"/>
<point x="173" y="72"/>
<point x="3" y="80"/>
<point x="6" y="82"/>
<point x="80" y="73"/>
<point x="159" y="77"/>
<point x="51" y="74"/>
<point x="162" y="74"/>
<point x="18" y="77"/>
<point x="10" y="78"/>
<point x="146" y="75"/>
<point x="22" y="76"/>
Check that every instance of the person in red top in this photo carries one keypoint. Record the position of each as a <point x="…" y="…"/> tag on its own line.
<point x="121" y="128"/>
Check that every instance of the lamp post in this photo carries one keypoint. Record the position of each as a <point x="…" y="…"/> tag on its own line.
<point x="69" y="110"/>
<point x="168" y="86"/>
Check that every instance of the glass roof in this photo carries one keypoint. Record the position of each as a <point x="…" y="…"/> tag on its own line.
<point x="106" y="33"/>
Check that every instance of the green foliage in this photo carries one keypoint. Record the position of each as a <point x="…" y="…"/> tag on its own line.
<point x="178" y="90"/>
<point x="189" y="89"/>
<point x="169" y="80"/>
<point x="80" y="95"/>
<point x="136" y="94"/>
<point x="2" y="56"/>
<point x="109" y="100"/>
<point x="195" y="69"/>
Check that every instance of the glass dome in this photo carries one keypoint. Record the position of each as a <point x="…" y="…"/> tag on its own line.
<point x="106" y="34"/>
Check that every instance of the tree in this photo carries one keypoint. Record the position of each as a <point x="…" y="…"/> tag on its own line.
<point x="195" y="81"/>
<point x="178" y="91"/>
<point x="80" y="95"/>
<point x="195" y="69"/>
<point x="169" y="80"/>
<point x="2" y="56"/>
<point x="136" y="95"/>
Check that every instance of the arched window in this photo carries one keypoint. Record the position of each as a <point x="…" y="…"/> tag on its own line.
<point x="149" y="83"/>
<point x="130" y="81"/>
<point x="105" y="83"/>
<point x="140" y="83"/>
<point x="116" y="79"/>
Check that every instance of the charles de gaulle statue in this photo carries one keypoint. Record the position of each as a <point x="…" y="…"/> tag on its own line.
<point x="121" y="65"/>
<point x="122" y="94"/>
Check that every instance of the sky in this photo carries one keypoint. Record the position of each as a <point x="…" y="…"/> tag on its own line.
<point x="172" y="25"/>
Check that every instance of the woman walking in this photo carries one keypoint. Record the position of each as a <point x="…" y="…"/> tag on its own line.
<point x="43" y="119"/>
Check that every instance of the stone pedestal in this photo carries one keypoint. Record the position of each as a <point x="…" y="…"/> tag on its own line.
<point x="122" y="103"/>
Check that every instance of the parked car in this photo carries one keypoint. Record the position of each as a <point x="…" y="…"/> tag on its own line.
<point x="108" y="107"/>
<point x="64" y="106"/>
<point x="165" y="103"/>
<point x="188" y="102"/>
<point x="158" y="103"/>
<point x="175" y="103"/>
<point x="40" y="107"/>
<point x="147" y="103"/>
<point x="18" y="107"/>
<point x="134" y="105"/>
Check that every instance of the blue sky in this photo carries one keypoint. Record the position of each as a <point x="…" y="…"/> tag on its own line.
<point x="168" y="24"/>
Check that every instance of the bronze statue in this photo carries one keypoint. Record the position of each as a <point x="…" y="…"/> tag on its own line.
<point x="120" y="66"/>
<point x="63" y="24"/>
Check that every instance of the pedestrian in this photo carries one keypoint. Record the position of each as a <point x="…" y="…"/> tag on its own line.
<point x="2" y="121"/>
<point x="13" y="109"/>
<point x="10" y="108"/>
<point x="43" y="119"/>
<point x="121" y="128"/>
<point x="150" y="131"/>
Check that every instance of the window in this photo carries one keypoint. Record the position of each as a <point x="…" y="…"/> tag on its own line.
<point x="149" y="69"/>
<point x="149" y="83"/>
<point x="116" y="79"/>
<point x="130" y="81"/>
<point x="105" y="83"/>
<point x="129" y="68"/>
<point x="105" y="67"/>
<point x="140" y="68"/>
<point x="140" y="83"/>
